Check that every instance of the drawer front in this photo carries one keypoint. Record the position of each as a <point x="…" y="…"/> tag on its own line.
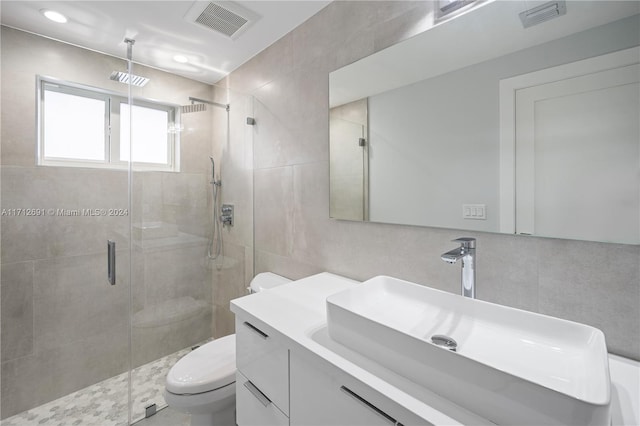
<point x="262" y="357"/>
<point x="322" y="395"/>
<point x="254" y="408"/>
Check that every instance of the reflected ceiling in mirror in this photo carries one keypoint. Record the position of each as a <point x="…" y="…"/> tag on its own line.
<point x="481" y="124"/>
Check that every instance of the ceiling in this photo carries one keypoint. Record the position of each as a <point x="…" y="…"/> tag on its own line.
<point x="161" y="30"/>
<point x="489" y="31"/>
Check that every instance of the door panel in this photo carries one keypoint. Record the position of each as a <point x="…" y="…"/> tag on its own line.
<point x="583" y="133"/>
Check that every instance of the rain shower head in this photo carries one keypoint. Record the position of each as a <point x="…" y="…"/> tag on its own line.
<point x="186" y="109"/>
<point x="198" y="105"/>
<point x="123" y="77"/>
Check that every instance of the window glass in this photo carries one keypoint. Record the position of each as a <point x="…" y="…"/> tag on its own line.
<point x="74" y="126"/>
<point x="150" y="137"/>
<point x="82" y="126"/>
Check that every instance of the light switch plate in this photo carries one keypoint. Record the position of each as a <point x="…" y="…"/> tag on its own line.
<point x="474" y="211"/>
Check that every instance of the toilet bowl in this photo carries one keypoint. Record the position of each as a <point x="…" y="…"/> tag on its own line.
<point x="202" y="383"/>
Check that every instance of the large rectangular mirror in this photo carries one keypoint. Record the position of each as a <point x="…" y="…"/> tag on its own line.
<point x="488" y="123"/>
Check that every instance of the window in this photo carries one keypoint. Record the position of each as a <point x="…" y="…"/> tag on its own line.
<point x="85" y="114"/>
<point x="150" y="134"/>
<point x="87" y="127"/>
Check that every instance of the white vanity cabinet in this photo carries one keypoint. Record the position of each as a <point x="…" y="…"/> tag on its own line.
<point x="276" y="386"/>
<point x="262" y="380"/>
<point x="254" y="408"/>
<point x="289" y="374"/>
<point x="322" y="395"/>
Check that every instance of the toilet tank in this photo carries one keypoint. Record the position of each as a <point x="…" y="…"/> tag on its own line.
<point x="265" y="281"/>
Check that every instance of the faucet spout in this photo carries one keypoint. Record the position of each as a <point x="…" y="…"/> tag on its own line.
<point x="467" y="254"/>
<point x="454" y="255"/>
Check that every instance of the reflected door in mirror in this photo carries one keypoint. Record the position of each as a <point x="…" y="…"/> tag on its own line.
<point x="348" y="159"/>
<point x="578" y="154"/>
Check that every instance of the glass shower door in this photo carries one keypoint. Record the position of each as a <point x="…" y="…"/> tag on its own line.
<point x="171" y="274"/>
<point x="65" y="315"/>
<point x="109" y="162"/>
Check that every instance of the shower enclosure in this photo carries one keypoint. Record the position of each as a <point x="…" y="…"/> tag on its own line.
<point x="94" y="166"/>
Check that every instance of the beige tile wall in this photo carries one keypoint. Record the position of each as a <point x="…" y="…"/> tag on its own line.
<point x="63" y="326"/>
<point x="233" y="144"/>
<point x="595" y="283"/>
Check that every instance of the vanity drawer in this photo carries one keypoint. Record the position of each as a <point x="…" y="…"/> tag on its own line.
<point x="253" y="407"/>
<point x="323" y="395"/>
<point x="263" y="358"/>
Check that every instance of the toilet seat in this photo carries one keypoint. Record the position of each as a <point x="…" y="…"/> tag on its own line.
<point x="211" y="366"/>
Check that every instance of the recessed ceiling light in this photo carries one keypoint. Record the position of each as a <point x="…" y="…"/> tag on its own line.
<point x="54" y="16"/>
<point x="181" y="59"/>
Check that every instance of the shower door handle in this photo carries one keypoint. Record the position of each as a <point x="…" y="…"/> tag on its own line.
<point x="111" y="262"/>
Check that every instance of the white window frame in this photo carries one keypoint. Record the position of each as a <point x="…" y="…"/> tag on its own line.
<point x="112" y="130"/>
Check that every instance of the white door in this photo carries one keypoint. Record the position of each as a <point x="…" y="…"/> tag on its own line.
<point x="577" y="154"/>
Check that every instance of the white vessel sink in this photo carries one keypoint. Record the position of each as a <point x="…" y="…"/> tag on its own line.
<point x="511" y="366"/>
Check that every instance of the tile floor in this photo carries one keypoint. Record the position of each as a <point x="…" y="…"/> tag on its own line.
<point x="166" y="417"/>
<point x="105" y="403"/>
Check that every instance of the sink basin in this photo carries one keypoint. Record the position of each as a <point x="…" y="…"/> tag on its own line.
<point x="510" y="366"/>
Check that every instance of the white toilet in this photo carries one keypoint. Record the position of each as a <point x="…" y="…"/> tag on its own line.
<point x="203" y="382"/>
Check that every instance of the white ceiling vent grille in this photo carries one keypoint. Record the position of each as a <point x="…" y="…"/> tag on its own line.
<point x="227" y="18"/>
<point x="543" y="13"/>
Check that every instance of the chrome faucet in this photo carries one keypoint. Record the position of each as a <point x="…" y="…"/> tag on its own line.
<point x="467" y="253"/>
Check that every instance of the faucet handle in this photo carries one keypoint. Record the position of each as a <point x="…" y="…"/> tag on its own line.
<point x="466" y="242"/>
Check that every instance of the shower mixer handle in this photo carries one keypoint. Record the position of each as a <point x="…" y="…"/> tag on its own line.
<point x="227" y="214"/>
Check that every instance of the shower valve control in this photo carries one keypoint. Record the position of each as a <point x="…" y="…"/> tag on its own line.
<point x="227" y="214"/>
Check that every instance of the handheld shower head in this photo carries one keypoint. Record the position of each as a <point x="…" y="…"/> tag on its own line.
<point x="215" y="241"/>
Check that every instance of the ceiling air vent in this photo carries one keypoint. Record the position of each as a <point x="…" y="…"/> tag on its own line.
<point x="227" y="18"/>
<point x="543" y="13"/>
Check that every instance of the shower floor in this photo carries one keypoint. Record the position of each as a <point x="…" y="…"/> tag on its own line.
<point x="105" y="403"/>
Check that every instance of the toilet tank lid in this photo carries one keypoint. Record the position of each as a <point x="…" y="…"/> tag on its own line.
<point x="267" y="280"/>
